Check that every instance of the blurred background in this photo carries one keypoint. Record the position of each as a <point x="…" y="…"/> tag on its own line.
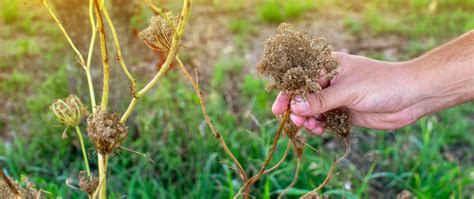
<point x="224" y="39"/>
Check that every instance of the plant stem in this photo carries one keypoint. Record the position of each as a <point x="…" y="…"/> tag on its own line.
<point x="169" y="59"/>
<point x="79" y="55"/>
<point x="174" y="47"/>
<point x="105" y="59"/>
<point x="119" y="50"/>
<point x="89" y="56"/>
<point x="254" y="178"/>
<point x="91" y="88"/>
<point x="329" y="175"/>
<point x="102" y="159"/>
<point x="84" y="154"/>
<point x="295" y="178"/>
<point x="195" y="85"/>
<point x="129" y="110"/>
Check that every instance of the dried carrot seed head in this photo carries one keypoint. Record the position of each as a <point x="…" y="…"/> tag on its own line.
<point x="88" y="183"/>
<point x="28" y="191"/>
<point x="106" y="131"/>
<point x="339" y="122"/>
<point x="159" y="33"/>
<point x="69" y="111"/>
<point x="295" y="61"/>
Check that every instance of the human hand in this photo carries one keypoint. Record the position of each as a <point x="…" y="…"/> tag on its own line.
<point x="378" y="95"/>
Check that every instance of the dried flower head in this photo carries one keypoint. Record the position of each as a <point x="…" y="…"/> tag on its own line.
<point x="339" y="122"/>
<point x="106" y="131"/>
<point x="159" y="33"/>
<point x="295" y="61"/>
<point x="69" y="111"/>
<point x="88" y="183"/>
<point x="28" y="191"/>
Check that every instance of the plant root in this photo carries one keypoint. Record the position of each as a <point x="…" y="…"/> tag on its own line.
<point x="329" y="175"/>
<point x="256" y="177"/>
<point x="197" y="90"/>
<point x="295" y="178"/>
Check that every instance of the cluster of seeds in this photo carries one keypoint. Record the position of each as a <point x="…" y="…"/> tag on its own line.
<point x="106" y="131"/>
<point x="29" y="191"/>
<point x="295" y="61"/>
<point x="338" y="122"/>
<point x="159" y="33"/>
<point x="88" y="183"/>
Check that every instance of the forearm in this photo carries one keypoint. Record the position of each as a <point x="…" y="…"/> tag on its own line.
<point x="444" y="77"/>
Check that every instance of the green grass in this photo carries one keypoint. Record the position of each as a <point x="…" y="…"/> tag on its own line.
<point x="276" y="11"/>
<point x="431" y="159"/>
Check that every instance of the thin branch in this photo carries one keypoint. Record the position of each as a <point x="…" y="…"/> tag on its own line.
<point x="329" y="175"/>
<point x="174" y="47"/>
<point x="162" y="14"/>
<point x="287" y="150"/>
<point x="83" y="64"/>
<point x="138" y="153"/>
<point x="256" y="177"/>
<point x="197" y="90"/>
<point x="169" y="59"/>
<point x="90" y="54"/>
<point x="119" y="50"/>
<point x="79" y="55"/>
<point x="295" y="178"/>
<point x="105" y="58"/>
<point x="84" y="154"/>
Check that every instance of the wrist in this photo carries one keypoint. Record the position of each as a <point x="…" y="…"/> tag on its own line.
<point x="439" y="84"/>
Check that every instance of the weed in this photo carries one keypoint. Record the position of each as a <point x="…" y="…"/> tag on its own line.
<point x="295" y="62"/>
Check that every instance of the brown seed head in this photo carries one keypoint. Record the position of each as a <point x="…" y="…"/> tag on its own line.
<point x="28" y="191"/>
<point x="338" y="122"/>
<point x="159" y="33"/>
<point x="88" y="183"/>
<point x="291" y="129"/>
<point x="106" y="131"/>
<point x="295" y="61"/>
<point x="69" y="111"/>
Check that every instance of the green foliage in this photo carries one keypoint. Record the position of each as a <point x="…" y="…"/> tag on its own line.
<point x="226" y="67"/>
<point x="276" y="11"/>
<point x="15" y="82"/>
<point x="242" y="26"/>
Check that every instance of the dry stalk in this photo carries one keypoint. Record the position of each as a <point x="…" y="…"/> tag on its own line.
<point x="329" y="175"/>
<point x="196" y="88"/>
<point x="103" y="158"/>
<point x="178" y="33"/>
<point x="256" y="177"/>
<point x="80" y="59"/>
<point x="295" y="178"/>
<point x="104" y="55"/>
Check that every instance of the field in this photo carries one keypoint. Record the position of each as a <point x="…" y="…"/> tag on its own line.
<point x="432" y="158"/>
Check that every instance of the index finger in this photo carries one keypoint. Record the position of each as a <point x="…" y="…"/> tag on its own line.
<point x="281" y="104"/>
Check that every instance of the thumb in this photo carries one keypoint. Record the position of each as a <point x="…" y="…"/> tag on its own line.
<point x="327" y="99"/>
